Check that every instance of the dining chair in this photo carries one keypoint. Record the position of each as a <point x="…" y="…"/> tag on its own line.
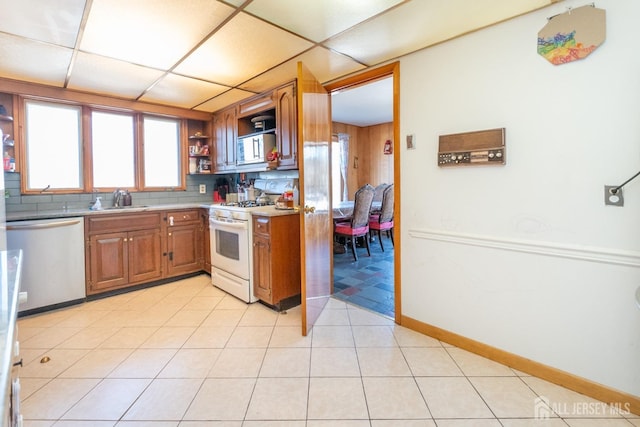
<point x="358" y="225"/>
<point x="383" y="221"/>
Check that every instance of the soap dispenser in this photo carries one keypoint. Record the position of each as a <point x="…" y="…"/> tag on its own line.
<point x="98" y="204"/>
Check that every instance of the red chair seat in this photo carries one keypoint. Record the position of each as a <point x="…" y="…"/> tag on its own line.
<point x="345" y="228"/>
<point x="382" y="227"/>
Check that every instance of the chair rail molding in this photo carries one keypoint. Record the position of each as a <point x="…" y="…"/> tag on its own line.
<point x="576" y="252"/>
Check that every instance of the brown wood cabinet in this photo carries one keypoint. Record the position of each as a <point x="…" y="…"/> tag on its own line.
<point x="276" y="260"/>
<point x="225" y="131"/>
<point x="206" y="240"/>
<point x="287" y="126"/>
<point x="122" y="250"/>
<point x="183" y="253"/>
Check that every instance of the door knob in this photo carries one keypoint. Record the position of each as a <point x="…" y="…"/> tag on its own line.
<point x="309" y="209"/>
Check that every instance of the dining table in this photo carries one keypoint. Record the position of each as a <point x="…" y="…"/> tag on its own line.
<point x="343" y="210"/>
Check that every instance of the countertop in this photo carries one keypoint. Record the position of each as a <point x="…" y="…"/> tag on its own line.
<point x="10" y="268"/>
<point x="67" y="213"/>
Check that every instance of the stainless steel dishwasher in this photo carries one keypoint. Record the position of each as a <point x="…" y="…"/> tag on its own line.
<point x="53" y="261"/>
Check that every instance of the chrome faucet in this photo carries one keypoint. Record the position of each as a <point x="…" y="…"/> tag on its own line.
<point x="117" y="198"/>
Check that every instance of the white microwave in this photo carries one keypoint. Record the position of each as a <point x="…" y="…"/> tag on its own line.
<point x="254" y="149"/>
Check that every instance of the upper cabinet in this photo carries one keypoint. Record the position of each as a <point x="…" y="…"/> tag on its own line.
<point x="7" y="132"/>
<point x="273" y="112"/>
<point x="199" y="142"/>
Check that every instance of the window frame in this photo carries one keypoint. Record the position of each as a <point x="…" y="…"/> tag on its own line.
<point x="86" y="161"/>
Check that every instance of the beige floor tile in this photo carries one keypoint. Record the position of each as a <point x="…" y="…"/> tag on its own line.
<point x="26" y="332"/>
<point x="330" y="317"/>
<point x="223" y="318"/>
<point x="569" y="404"/>
<point x="211" y="291"/>
<point x="209" y="337"/>
<point x="469" y="423"/>
<point x="231" y="303"/>
<point x="279" y="399"/>
<point x="332" y="336"/>
<point x="190" y="363"/>
<point x="334" y="362"/>
<point x="452" y="397"/>
<point x="155" y="316"/>
<point x="275" y="424"/>
<point x="430" y="361"/>
<point x="90" y="337"/>
<point x="507" y="397"/>
<point x="49" y="338"/>
<point x="382" y="362"/>
<point x="597" y="422"/>
<point x="289" y="336"/>
<point x="90" y="423"/>
<point x="286" y="362"/>
<point x="394" y="398"/>
<point x="121" y="318"/>
<point x="202" y="303"/>
<point x="360" y="317"/>
<point x="290" y="317"/>
<point x="47" y="319"/>
<point x="164" y="399"/>
<point x="634" y="421"/>
<point x="532" y="422"/>
<point x="403" y="423"/>
<point x="28" y="355"/>
<point x="221" y="399"/>
<point x="128" y="337"/>
<point x="336" y="398"/>
<point x="169" y="337"/>
<point x="238" y="363"/>
<point x="477" y="366"/>
<point x="149" y="424"/>
<point x="97" y="363"/>
<point x="373" y="336"/>
<point x="28" y="386"/>
<point x="250" y="337"/>
<point x="188" y="318"/>
<point x="50" y="403"/>
<point x="84" y="318"/>
<point x="258" y="315"/>
<point x="60" y="361"/>
<point x="109" y="400"/>
<point x="408" y="338"/>
<point x="143" y="363"/>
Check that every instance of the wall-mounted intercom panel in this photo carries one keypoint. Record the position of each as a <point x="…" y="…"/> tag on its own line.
<point x="484" y="147"/>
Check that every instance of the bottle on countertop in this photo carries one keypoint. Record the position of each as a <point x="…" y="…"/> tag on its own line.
<point x="296" y="196"/>
<point x="97" y="206"/>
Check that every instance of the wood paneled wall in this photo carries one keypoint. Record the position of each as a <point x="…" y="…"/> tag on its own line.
<point x="367" y="145"/>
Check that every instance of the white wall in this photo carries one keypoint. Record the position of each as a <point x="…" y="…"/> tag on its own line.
<point x="526" y="257"/>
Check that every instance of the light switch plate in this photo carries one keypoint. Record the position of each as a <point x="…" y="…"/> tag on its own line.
<point x="203" y="188"/>
<point x="411" y="142"/>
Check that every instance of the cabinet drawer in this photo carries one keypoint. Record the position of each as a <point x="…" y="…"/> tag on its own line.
<point x="108" y="223"/>
<point x="182" y="217"/>
<point x="262" y="225"/>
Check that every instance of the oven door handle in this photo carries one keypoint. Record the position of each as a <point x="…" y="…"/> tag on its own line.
<point x="225" y="224"/>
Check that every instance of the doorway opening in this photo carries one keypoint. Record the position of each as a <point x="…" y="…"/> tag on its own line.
<point x="365" y="135"/>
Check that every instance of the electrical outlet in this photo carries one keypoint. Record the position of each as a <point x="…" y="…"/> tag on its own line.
<point x="611" y="198"/>
<point x="203" y="188"/>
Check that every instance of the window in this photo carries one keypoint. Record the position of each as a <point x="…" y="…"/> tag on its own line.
<point x="113" y="148"/>
<point x="128" y="149"/>
<point x="53" y="146"/>
<point x="161" y="152"/>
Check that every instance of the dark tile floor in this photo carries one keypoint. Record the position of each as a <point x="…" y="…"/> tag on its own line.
<point x="368" y="282"/>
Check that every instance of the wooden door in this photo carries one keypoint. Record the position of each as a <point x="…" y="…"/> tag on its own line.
<point x="144" y="255"/>
<point x="108" y="262"/>
<point x="183" y="247"/>
<point x="314" y="142"/>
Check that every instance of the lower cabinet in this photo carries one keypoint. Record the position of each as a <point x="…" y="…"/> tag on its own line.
<point x="276" y="260"/>
<point x="206" y="240"/>
<point x="184" y="242"/>
<point x="122" y="250"/>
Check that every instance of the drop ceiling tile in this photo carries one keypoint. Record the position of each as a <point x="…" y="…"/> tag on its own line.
<point x="224" y="100"/>
<point x="323" y="63"/>
<point x="154" y="33"/>
<point x="53" y="21"/>
<point x="431" y="21"/>
<point x="33" y="61"/>
<point x="182" y="91"/>
<point x="246" y="46"/>
<point x="318" y="20"/>
<point x="93" y="73"/>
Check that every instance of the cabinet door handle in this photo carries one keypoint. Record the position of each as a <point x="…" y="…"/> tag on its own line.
<point x="169" y="234"/>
